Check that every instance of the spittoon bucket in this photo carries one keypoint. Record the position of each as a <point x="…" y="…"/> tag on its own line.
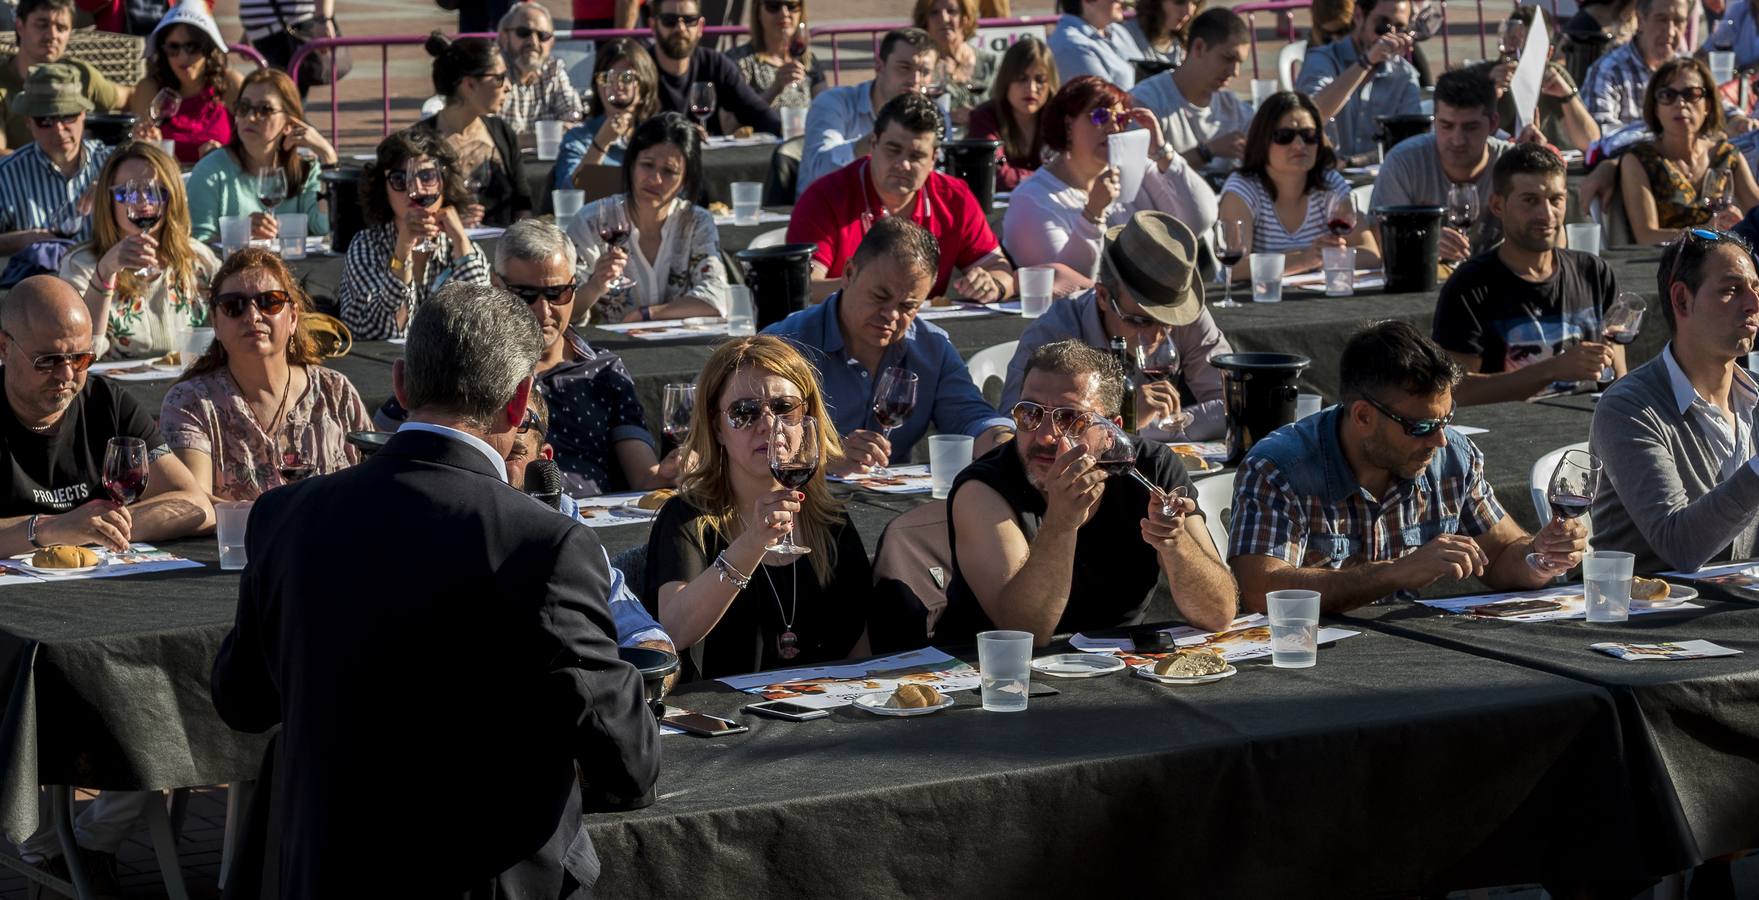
<point x="1148" y="68"/>
<point x="346" y="215"/>
<point x="1410" y="245"/>
<point x="1259" y="392"/>
<point x="654" y="666"/>
<point x="974" y="162"/>
<point x="780" y="279"/>
<point x="1394" y="129"/>
<point x="109" y="129"/>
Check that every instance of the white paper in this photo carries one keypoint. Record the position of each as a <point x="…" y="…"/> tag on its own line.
<point x="1574" y="606"/>
<point x="1247" y="637"/>
<point x="825" y="687"/>
<point x="764" y="217"/>
<point x="140" y="559"/>
<point x="1129" y="153"/>
<point x="1667" y="650"/>
<point x="1740" y="577"/>
<point x="1470" y="430"/>
<point x="1530" y="73"/>
<point x="669" y="329"/>
<point x="611" y="510"/>
<point x="902" y="480"/>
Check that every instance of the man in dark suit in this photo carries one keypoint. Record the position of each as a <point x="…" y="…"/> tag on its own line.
<point x="436" y="646"/>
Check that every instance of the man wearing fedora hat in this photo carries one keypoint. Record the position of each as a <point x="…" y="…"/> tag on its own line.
<point x="1148" y="291"/>
<point x="44" y="179"/>
<point x="43" y="27"/>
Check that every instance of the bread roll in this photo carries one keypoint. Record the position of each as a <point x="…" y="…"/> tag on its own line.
<point x="63" y="556"/>
<point x="1191" y="664"/>
<point x="1648" y="590"/>
<point x="655" y="499"/>
<point x="914" y="696"/>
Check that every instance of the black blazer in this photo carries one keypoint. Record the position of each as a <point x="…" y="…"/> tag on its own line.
<point x="438" y="651"/>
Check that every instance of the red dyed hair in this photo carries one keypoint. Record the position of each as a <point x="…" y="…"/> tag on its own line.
<point x="1076" y="96"/>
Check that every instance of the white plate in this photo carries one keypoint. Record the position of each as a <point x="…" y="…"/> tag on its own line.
<point x="1146" y="670"/>
<point x="103" y="560"/>
<point x="876" y="704"/>
<point x="1676" y="595"/>
<point x="1077" y="665"/>
<point x="631" y="511"/>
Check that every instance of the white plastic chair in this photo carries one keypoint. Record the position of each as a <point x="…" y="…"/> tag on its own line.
<point x="773" y="238"/>
<point x="1540" y="480"/>
<point x="1363" y="194"/>
<point x="991" y="362"/>
<point x="1215" y="496"/>
<point x="1288" y="63"/>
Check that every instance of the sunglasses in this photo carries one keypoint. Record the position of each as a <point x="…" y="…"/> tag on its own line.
<point x="1132" y="321"/>
<point x="1668" y="96"/>
<point x="1028" y="415"/>
<point x="523" y="32"/>
<point x="531" y="423"/>
<point x="398" y="180"/>
<point x="671" y="20"/>
<point x="1283" y="137"/>
<point x="1102" y="116"/>
<point x="776" y="6"/>
<point x="492" y="77"/>
<point x="125" y="196"/>
<point x="53" y="121"/>
<point x="742" y="413"/>
<point x="1701" y="236"/>
<point x="269" y="302"/>
<point x="557" y="294"/>
<point x="49" y="362"/>
<point x="625" y="78"/>
<point x="251" y="111"/>
<point x="1416" y="428"/>
<point x="182" y="48"/>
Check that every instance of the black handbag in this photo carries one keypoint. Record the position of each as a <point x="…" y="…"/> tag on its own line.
<point x="317" y="65"/>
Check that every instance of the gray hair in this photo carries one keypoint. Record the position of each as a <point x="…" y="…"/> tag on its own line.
<point x="1074" y="359"/>
<point x="517" y="8"/>
<point x="533" y="240"/>
<point x="469" y="347"/>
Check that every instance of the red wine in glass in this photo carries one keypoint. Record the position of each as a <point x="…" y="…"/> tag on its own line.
<point x="613" y="234"/>
<point x="792" y="476"/>
<point x="671" y="438"/>
<point x="1340" y="227"/>
<point x="1156" y="373"/>
<point x="294" y="470"/>
<point x="125" y="469"/>
<point x="797" y="45"/>
<point x="424" y="201"/>
<point x="144" y="221"/>
<point x="270" y="201"/>
<point x="1459" y="218"/>
<point x="1620" y="336"/>
<point x="1230" y="257"/>
<point x="1570" y="506"/>
<point x="127" y="487"/>
<point x="892" y="413"/>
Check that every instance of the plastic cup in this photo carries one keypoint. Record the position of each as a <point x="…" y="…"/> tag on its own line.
<point x="292" y="234"/>
<point x="234" y="234"/>
<point x="947" y="454"/>
<point x="549" y="138"/>
<point x="1262" y="88"/>
<point x="1340" y="271"/>
<point x="1722" y="66"/>
<point x="567" y="205"/>
<point x="747" y="202"/>
<point x="741" y="315"/>
<point x="170" y="148"/>
<point x="1583" y="236"/>
<point x="1004" y="667"/>
<point x="230" y="517"/>
<point x="1307" y="404"/>
<point x="1606" y="581"/>
<point x="195" y="343"/>
<point x="1267" y="278"/>
<point x="1294" y="628"/>
<point x="793" y="122"/>
<point x="1035" y="290"/>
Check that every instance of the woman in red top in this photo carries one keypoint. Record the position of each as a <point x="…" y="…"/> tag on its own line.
<point x="188" y="57"/>
<point x="1024" y="83"/>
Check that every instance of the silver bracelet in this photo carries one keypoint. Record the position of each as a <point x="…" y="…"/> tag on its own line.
<point x="730" y="575"/>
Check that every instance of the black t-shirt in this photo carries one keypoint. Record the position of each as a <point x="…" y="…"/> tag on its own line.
<point x="1115" y="570"/>
<point x="732" y="92"/>
<point x="1488" y="311"/>
<point x="60" y="469"/>
<point x="828" y="621"/>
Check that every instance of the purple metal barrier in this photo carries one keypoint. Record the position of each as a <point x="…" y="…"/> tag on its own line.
<point x="249" y="52"/>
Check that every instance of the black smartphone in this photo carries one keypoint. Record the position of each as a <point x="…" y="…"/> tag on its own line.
<point x="1041" y="690"/>
<point x="702" y="723"/>
<point x="1515" y="608"/>
<point x="782" y="709"/>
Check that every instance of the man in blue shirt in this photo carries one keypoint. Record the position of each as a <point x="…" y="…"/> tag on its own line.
<point x="1365" y="76"/>
<point x="839" y="123"/>
<point x="869" y="326"/>
<point x="1090" y="39"/>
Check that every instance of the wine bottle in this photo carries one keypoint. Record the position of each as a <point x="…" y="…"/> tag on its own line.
<point x="1121" y="350"/>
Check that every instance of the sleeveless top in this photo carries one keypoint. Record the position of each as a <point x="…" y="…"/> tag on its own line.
<point x="1268" y="233"/>
<point x="1676" y="197"/>
<point x="199" y="119"/>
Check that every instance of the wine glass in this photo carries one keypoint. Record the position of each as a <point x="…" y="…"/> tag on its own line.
<point x="1159" y="361"/>
<point x="1113" y="449"/>
<point x="680" y="403"/>
<point x="125" y="469"/>
<point x="145" y="206"/>
<point x="294" y="464"/>
<point x="163" y="106"/>
<point x="936" y="86"/>
<point x="800" y="42"/>
<point x="1511" y="39"/>
<point x="1570" y="493"/>
<point x="894" y="399"/>
<point x="417" y="195"/>
<point x="1233" y="237"/>
<point x="67" y="221"/>
<point x="1463" y="209"/>
<point x="480" y="175"/>
<point x="1620" y="324"/>
<point x="613" y="226"/>
<point x="1426" y="22"/>
<point x="793" y="461"/>
<point x="1715" y="190"/>
<point x="702" y="102"/>
<point x="1340" y="213"/>
<point x="271" y="187"/>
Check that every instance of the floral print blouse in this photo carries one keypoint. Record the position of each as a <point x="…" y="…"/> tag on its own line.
<point x="1676" y="197"/>
<point x="761" y="75"/>
<point x="147" y="320"/>
<point x="208" y="411"/>
<point x="688" y="263"/>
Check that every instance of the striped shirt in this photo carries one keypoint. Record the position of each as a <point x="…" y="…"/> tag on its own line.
<point x="1297" y="500"/>
<point x="1614" y="86"/>
<point x="259" y="19"/>
<point x="371" y="294"/>
<point x="551" y="96"/>
<point x="34" y="190"/>
<point x="1268" y="233"/>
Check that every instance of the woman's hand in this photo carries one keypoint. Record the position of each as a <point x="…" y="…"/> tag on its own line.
<point x="455" y="230"/>
<point x="471" y="215"/>
<point x="606" y="270"/>
<point x="300" y="134"/>
<point x="615" y="126"/>
<point x="264" y="225"/>
<point x="1145" y="117"/>
<point x="137" y="251"/>
<point x="206" y="148"/>
<point x="772" y="516"/>
<point x="1104" y="192"/>
<point x="147" y="131"/>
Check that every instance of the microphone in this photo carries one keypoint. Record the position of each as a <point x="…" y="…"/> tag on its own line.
<point x="543" y="480"/>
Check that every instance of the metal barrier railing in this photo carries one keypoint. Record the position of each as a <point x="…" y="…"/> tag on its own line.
<point x="1285" y="11"/>
<point x="249" y="52"/>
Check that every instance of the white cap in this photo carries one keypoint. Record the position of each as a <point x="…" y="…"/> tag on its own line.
<point x="188" y="12"/>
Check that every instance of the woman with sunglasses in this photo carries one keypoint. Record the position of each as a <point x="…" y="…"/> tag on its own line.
<point x="1024" y="82"/>
<point x="966" y="69"/>
<point x="782" y="79"/>
<point x="472" y="76"/>
<point x="1285" y="186"/>
<point x="625" y="92"/>
<point x="144" y="284"/>
<point x="271" y="131"/>
<point x="1058" y="217"/>
<point x="1688" y="174"/>
<point x="408" y="250"/>
<point x="730" y="606"/>
<point x="672" y="251"/>
<point x="189" y="57"/>
<point x="258" y="409"/>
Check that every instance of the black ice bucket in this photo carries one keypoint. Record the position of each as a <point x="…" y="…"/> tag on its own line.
<point x="973" y="162"/>
<point x="780" y="279"/>
<point x="1394" y="129"/>
<point x="1259" y="392"/>
<point x="1411" y="244"/>
<point x="109" y="129"/>
<point x="654" y="666"/>
<point x="343" y="184"/>
<point x="1148" y="68"/>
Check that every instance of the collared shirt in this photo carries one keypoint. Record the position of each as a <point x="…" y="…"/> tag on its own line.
<point x="1411" y="175"/>
<point x="633" y="622"/>
<point x="835" y="121"/>
<point x="1197" y="343"/>
<point x="1296" y="499"/>
<point x="371" y="293"/>
<point x="103" y="93"/>
<point x="593" y="406"/>
<point x="945" y="395"/>
<point x="1186" y="124"/>
<point x="1744" y="36"/>
<point x="1614" y="86"/>
<point x="1080" y="49"/>
<point x="33" y="190"/>
<point x="551" y="96"/>
<point x="1390" y="91"/>
<point x="464" y="437"/>
<point x="1729" y="445"/>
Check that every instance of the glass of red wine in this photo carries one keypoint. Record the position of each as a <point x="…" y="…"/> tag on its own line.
<point x="125" y="469"/>
<point x="271" y="187"/>
<point x="793" y="461"/>
<point x="163" y="106"/>
<point x="702" y="102"/>
<point x="146" y="204"/>
<point x="1620" y="324"/>
<point x="614" y="228"/>
<point x="1159" y="361"/>
<point x="679" y="406"/>
<point x="294" y="464"/>
<point x="1113" y="450"/>
<point x="424" y="197"/>
<point x="1715" y="190"/>
<point x="1570" y="494"/>
<point x="1340" y="214"/>
<point x="800" y="42"/>
<point x="1462" y="210"/>
<point x="1233" y="237"/>
<point x="894" y="399"/>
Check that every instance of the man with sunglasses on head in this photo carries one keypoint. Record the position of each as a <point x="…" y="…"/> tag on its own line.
<point x="537" y="83"/>
<point x="1364" y="76"/>
<point x="839" y="123"/>
<point x="46" y="184"/>
<point x="869" y="327"/>
<point x="683" y="62"/>
<point x="1156" y="301"/>
<point x="1044" y="541"/>
<point x="1377" y="496"/>
<point x="1680" y="487"/>
<point x="43" y="28"/>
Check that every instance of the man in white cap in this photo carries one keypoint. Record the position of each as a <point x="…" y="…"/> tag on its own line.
<point x="43" y="27"/>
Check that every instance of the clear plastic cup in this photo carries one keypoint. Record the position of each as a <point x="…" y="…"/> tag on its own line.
<point x="567" y="204"/>
<point x="170" y="148"/>
<point x="1262" y="88"/>
<point x="1004" y="667"/>
<point x="231" y="517"/>
<point x="747" y="202"/>
<point x="292" y="233"/>
<point x="1294" y="628"/>
<point x="1036" y="283"/>
<point x="549" y="138"/>
<point x="195" y="343"/>
<point x="1583" y="236"/>
<point x="741" y="314"/>
<point x="1722" y="66"/>
<point x="234" y="234"/>
<point x="947" y="454"/>
<point x="793" y="122"/>
<point x="1267" y="278"/>
<point x="1606" y="581"/>
<point x="1307" y="404"/>
<point x="1340" y="271"/>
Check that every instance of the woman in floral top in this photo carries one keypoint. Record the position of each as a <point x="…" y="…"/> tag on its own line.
<point x="672" y="253"/>
<point x="767" y="60"/>
<point x="1663" y="191"/>
<point x="257" y="411"/>
<point x="150" y="315"/>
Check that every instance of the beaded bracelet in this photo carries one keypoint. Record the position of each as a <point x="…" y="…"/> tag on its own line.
<point x="730" y="575"/>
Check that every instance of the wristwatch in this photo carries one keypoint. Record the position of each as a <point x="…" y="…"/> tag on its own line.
<point x="30" y="530"/>
<point x="1202" y="151"/>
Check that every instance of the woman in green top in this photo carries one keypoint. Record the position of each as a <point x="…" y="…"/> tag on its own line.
<point x="271" y="131"/>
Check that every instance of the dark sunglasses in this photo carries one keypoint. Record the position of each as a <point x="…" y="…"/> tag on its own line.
<point x="742" y="413"/>
<point x="269" y="302"/>
<point x="496" y="77"/>
<point x="124" y="195"/>
<point x="248" y="111"/>
<point x="557" y="294"/>
<point x="1102" y="116"/>
<point x="1132" y="321"/>
<point x="398" y="180"/>
<point x="180" y="48"/>
<point x="1283" y="137"/>
<point x="523" y="32"/>
<point x="671" y="20"/>
<point x="1668" y="96"/>
<point x="776" y="6"/>
<point x="531" y="423"/>
<point x="52" y="121"/>
<point x="49" y="362"/>
<point x="1028" y="415"/>
<point x="1416" y="428"/>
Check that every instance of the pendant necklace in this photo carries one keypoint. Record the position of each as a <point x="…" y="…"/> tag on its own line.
<point x="787" y="643"/>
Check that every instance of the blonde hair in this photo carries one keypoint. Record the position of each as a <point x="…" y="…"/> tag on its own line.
<point x="176" y="249"/>
<point x="967" y="10"/>
<point x="758" y="38"/>
<point x="709" y="488"/>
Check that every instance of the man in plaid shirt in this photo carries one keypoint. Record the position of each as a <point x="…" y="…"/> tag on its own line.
<point x="1376" y="496"/>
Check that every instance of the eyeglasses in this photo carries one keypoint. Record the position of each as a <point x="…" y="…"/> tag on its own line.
<point x="124" y="195"/>
<point x="53" y="121"/>
<point x="522" y="32"/>
<point x="1103" y="116"/>
<point x="625" y="78"/>
<point x="776" y="6"/>
<point x="1132" y="321"/>
<point x="742" y="413"/>
<point x="1668" y="96"/>
<point x="557" y="294"/>
<point x="1415" y="427"/>
<point x="249" y="111"/>
<point x="49" y="362"/>
<point x="182" y="48"/>
<point x="494" y="77"/>
<point x="398" y="179"/>
<point x="671" y="20"/>
<point x="269" y="302"/>
<point x="1028" y="415"/>
<point x="531" y="423"/>
<point x="1700" y="235"/>
<point x="1283" y="137"/>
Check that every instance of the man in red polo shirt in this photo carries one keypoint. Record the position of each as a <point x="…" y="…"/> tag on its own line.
<point x="899" y="179"/>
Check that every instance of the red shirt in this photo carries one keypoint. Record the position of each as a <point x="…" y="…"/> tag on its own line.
<point x="830" y="214"/>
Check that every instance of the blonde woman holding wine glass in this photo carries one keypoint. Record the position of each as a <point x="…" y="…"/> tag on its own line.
<point x="778" y="60"/>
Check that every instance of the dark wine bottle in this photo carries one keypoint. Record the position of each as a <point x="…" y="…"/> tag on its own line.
<point x="1121" y="350"/>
